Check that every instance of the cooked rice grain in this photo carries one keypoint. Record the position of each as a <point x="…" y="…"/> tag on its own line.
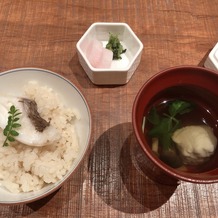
<point x="24" y="168"/>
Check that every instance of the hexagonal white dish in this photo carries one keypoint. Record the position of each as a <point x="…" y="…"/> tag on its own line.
<point x="120" y="71"/>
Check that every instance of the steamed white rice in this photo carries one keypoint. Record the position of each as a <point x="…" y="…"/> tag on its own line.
<point x="25" y="168"/>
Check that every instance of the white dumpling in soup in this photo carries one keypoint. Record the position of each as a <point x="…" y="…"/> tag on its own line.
<point x="195" y="143"/>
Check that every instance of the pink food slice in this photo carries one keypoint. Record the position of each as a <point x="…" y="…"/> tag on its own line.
<point x="94" y="52"/>
<point x="97" y="55"/>
<point x="106" y="59"/>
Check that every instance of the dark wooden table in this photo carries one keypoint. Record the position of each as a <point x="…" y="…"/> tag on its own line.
<point x="110" y="182"/>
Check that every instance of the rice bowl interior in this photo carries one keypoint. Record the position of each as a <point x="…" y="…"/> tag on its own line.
<point x="12" y="82"/>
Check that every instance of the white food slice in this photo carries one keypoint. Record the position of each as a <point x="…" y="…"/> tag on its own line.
<point x="27" y="133"/>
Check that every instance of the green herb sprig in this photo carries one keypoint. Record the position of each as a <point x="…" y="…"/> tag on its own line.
<point x="9" y="131"/>
<point x="163" y="128"/>
<point x="165" y="125"/>
<point x="115" y="46"/>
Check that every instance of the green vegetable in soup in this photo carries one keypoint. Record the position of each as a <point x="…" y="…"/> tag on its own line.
<point x="115" y="46"/>
<point x="163" y="127"/>
<point x="9" y="131"/>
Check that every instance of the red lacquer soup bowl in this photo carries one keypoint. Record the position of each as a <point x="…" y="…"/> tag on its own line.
<point x="196" y="84"/>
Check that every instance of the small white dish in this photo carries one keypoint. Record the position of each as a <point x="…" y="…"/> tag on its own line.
<point x="121" y="70"/>
<point x="12" y="82"/>
<point x="212" y="59"/>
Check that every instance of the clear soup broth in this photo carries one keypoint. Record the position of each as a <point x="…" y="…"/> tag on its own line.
<point x="205" y="112"/>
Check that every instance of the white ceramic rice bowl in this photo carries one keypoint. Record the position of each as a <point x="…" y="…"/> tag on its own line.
<point x="12" y="81"/>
